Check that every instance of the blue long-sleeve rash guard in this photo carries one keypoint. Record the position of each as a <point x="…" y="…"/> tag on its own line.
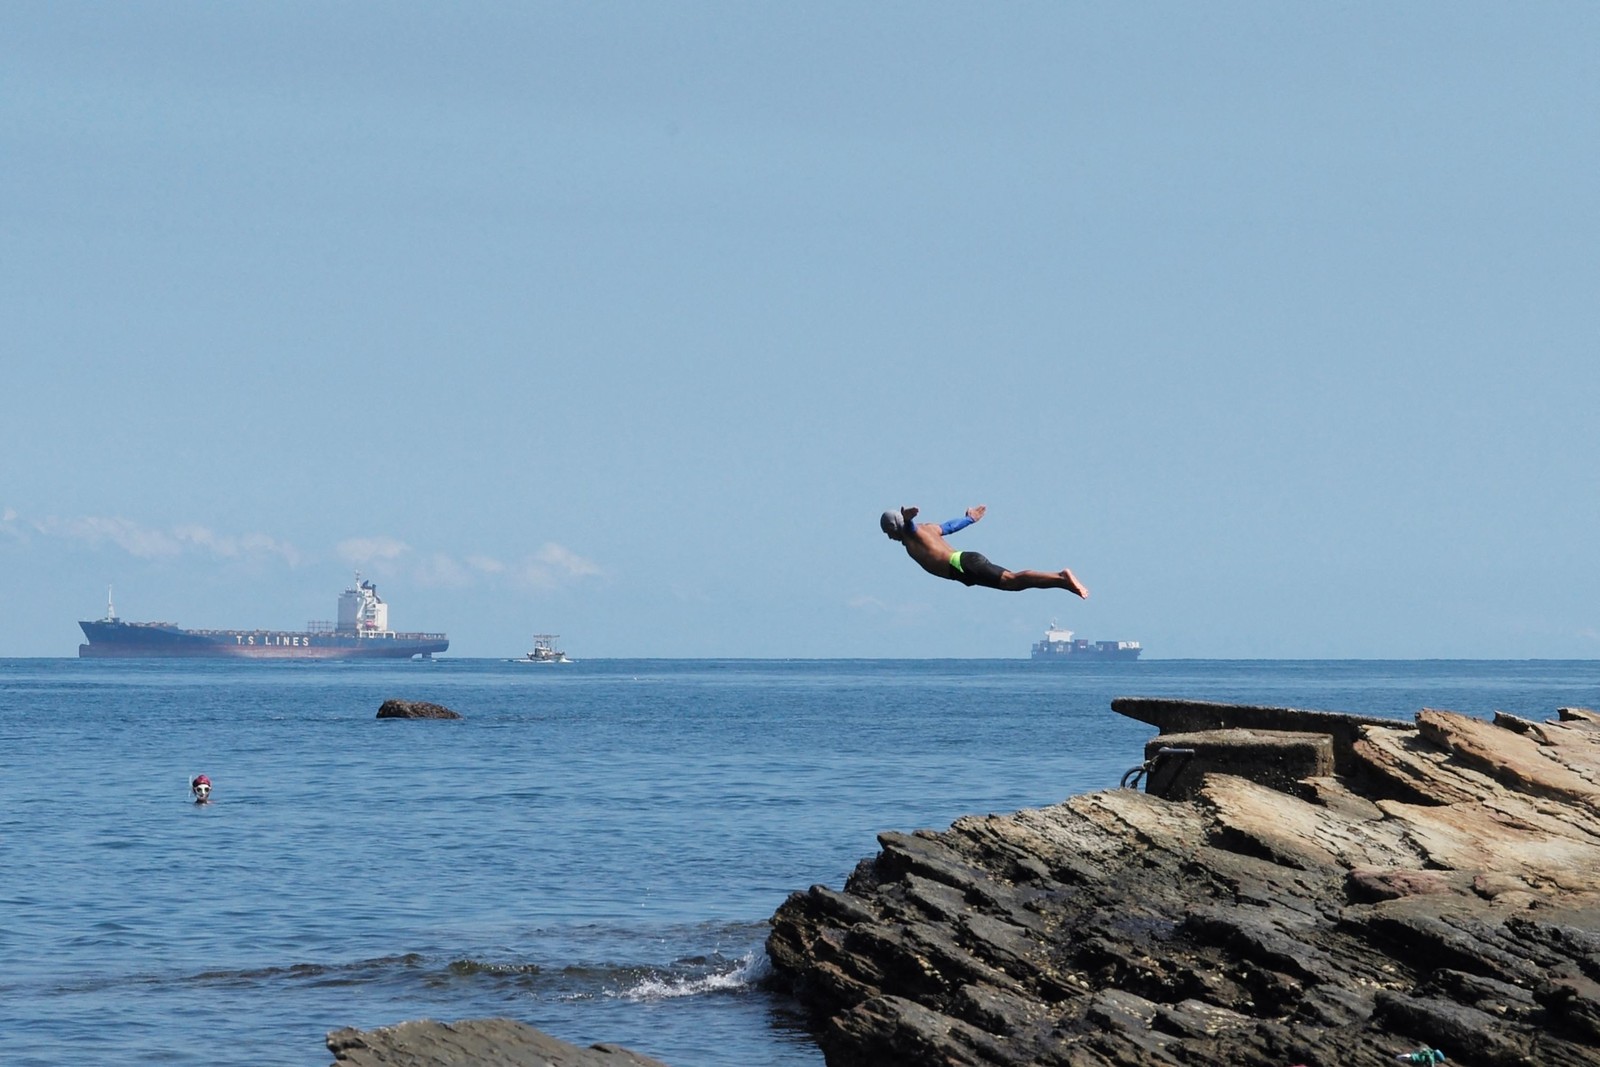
<point x="950" y="526"/>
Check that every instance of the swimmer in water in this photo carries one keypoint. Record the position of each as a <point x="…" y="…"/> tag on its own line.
<point x="925" y="542"/>
<point x="201" y="788"/>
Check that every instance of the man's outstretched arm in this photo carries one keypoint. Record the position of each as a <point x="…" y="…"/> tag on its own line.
<point x="973" y="515"/>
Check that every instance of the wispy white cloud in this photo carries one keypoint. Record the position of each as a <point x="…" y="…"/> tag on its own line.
<point x="895" y="614"/>
<point x="95" y="531"/>
<point x="565" y="561"/>
<point x="146" y="542"/>
<point x="441" y="570"/>
<point x="364" y="551"/>
<point x="550" y="566"/>
<point x="236" y="546"/>
<point x="554" y="565"/>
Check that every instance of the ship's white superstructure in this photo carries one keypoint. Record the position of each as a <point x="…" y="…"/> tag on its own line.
<point x="362" y="610"/>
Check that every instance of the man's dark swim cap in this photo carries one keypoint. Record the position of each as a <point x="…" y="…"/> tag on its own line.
<point x="892" y="523"/>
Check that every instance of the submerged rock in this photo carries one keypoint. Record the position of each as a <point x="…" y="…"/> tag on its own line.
<point x="1296" y="888"/>
<point x="415" y="709"/>
<point x="470" y="1043"/>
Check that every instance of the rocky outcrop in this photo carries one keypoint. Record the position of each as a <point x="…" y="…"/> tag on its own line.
<point x="470" y="1043"/>
<point x="415" y="709"/>
<point x="1294" y="888"/>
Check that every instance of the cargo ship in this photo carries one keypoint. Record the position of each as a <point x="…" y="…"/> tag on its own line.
<point x="1059" y="644"/>
<point x="362" y="632"/>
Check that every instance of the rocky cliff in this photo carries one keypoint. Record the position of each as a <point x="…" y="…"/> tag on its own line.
<point x="1293" y="887"/>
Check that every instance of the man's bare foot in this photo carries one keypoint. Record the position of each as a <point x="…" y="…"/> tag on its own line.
<point x="1073" y="585"/>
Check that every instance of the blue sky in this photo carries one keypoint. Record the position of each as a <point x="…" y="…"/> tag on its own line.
<point x="1276" y="322"/>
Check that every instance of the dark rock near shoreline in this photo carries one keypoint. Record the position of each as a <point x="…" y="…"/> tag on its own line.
<point x="1297" y="888"/>
<point x="415" y="709"/>
<point x="470" y="1043"/>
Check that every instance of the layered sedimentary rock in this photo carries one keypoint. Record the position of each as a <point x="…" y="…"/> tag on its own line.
<point x="471" y="1043"/>
<point x="1295" y="888"/>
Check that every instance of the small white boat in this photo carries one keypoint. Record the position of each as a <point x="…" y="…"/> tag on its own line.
<point x="544" y="651"/>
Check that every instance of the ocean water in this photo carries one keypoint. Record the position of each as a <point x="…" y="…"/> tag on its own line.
<point x="594" y="850"/>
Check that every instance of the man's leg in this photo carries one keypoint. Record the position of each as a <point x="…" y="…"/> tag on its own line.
<point x="1043" y="580"/>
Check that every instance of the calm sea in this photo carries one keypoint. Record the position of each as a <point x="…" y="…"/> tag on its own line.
<point x="595" y="850"/>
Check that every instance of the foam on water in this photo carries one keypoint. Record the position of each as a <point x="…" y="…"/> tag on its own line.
<point x="740" y="975"/>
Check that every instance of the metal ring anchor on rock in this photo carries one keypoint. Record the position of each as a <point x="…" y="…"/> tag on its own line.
<point x="1131" y="779"/>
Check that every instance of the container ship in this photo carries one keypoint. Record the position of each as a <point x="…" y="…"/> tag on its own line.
<point x="1059" y="644"/>
<point x="362" y="632"/>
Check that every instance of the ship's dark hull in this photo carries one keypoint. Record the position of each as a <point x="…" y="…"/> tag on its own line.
<point x="137" y="640"/>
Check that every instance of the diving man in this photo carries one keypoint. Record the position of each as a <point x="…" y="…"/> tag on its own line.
<point x="925" y="543"/>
